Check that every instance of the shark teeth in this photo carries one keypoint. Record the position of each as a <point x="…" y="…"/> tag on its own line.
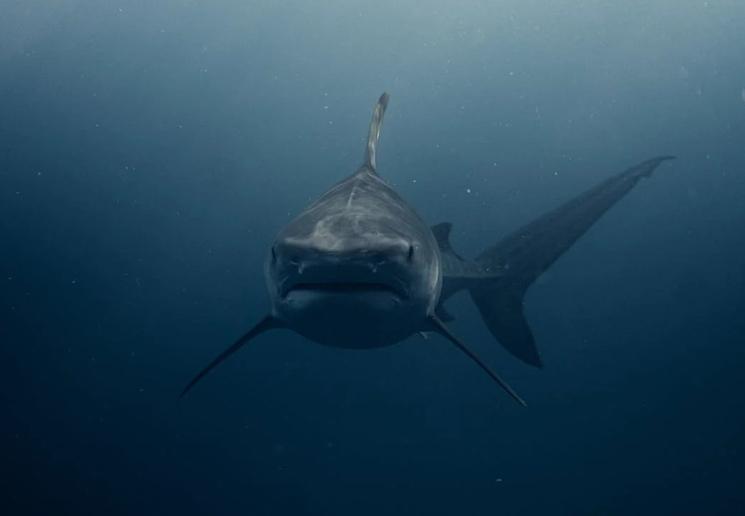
<point x="344" y="287"/>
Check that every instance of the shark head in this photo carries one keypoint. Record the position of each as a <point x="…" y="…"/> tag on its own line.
<point x="357" y="258"/>
<point x="357" y="268"/>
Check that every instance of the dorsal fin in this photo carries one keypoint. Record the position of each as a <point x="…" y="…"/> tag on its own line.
<point x="374" y="135"/>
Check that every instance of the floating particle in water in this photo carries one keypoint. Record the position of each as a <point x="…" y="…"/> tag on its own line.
<point x="468" y="190"/>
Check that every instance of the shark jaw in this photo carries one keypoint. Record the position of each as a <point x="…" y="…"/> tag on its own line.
<point x="349" y="307"/>
<point x="345" y="288"/>
<point x="338" y="285"/>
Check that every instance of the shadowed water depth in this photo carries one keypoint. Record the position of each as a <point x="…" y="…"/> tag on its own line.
<point x="151" y="154"/>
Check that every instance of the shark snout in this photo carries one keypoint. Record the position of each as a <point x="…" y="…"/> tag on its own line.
<point x="370" y="249"/>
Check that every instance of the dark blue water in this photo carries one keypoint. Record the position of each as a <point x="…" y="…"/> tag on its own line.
<point x="148" y="156"/>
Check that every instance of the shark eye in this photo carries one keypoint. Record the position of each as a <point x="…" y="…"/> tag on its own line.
<point x="410" y="256"/>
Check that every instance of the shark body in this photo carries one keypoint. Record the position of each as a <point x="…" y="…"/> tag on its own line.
<point x="359" y="268"/>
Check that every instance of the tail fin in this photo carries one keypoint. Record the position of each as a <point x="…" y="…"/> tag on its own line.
<point x="374" y="134"/>
<point x="524" y="255"/>
<point x="501" y="308"/>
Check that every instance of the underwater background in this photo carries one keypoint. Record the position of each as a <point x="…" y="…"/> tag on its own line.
<point x="150" y="151"/>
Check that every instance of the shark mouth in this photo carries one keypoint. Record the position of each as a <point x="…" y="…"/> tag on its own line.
<point x="342" y="288"/>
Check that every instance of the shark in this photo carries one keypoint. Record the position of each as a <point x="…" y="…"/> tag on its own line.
<point x="358" y="268"/>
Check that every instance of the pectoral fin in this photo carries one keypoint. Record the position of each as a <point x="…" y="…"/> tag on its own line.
<point x="267" y="323"/>
<point x="438" y="326"/>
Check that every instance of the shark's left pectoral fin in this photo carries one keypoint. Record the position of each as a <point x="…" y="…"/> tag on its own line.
<point x="267" y="323"/>
<point x="437" y="325"/>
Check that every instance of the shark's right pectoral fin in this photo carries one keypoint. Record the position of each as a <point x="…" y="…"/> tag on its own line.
<point x="267" y="323"/>
<point x="438" y="326"/>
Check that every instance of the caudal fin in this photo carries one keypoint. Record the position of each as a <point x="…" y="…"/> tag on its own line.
<point x="502" y="312"/>
<point x="522" y="256"/>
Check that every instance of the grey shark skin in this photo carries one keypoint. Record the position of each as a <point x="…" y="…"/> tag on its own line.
<point x="359" y="268"/>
